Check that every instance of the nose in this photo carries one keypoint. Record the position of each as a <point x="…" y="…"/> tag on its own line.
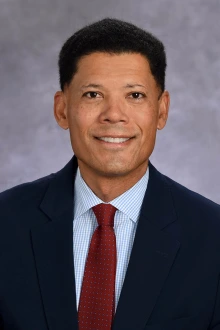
<point x="114" y="111"/>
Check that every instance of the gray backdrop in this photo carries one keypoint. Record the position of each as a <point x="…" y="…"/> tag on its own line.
<point x="32" y="32"/>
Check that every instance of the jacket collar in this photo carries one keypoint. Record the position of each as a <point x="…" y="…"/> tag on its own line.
<point x="59" y="195"/>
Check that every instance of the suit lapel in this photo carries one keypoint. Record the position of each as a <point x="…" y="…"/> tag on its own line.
<point x="151" y="259"/>
<point x="53" y="251"/>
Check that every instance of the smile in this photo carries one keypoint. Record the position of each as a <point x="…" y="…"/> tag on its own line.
<point x="113" y="140"/>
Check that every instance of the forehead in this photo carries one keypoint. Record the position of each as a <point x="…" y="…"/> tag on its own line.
<point x="116" y="67"/>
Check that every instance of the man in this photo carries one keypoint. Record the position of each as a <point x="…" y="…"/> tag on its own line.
<point x="108" y="242"/>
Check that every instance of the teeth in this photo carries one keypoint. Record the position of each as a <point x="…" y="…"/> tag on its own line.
<point x="113" y="140"/>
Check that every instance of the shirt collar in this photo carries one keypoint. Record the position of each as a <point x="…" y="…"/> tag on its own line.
<point x="128" y="203"/>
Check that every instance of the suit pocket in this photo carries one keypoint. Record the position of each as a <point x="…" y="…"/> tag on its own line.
<point x="183" y="323"/>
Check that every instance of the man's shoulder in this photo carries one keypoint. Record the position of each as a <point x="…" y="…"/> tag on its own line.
<point x="192" y="205"/>
<point x="188" y="195"/>
<point x="31" y="190"/>
<point x="20" y="207"/>
<point x="25" y="192"/>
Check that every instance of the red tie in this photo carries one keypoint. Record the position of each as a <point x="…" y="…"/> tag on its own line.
<point x="97" y="299"/>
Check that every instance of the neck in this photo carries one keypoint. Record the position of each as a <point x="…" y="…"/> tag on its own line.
<point x="108" y="188"/>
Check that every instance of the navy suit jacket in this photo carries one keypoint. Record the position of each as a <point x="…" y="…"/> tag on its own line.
<point x="172" y="280"/>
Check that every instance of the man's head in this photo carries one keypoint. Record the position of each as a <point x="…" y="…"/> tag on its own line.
<point x="114" y="37"/>
<point x="112" y="98"/>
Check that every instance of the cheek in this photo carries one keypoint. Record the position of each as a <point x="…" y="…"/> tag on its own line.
<point x="76" y="117"/>
<point x="80" y="122"/>
<point x="147" y="122"/>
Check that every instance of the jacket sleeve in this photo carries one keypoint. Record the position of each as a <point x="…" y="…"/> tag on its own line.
<point x="1" y="323"/>
<point x="215" y="323"/>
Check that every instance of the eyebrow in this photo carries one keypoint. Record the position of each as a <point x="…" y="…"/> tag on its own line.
<point x="134" y="85"/>
<point x="101" y="86"/>
<point x="92" y="85"/>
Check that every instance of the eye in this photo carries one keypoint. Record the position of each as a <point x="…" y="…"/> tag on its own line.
<point x="91" y="95"/>
<point x="136" y="95"/>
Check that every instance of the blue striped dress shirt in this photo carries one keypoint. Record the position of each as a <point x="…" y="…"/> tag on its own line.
<point x="125" y="224"/>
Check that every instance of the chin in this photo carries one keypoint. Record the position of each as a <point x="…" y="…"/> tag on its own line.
<point x="114" y="170"/>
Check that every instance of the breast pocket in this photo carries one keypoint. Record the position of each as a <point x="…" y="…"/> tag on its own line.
<point x="184" y="323"/>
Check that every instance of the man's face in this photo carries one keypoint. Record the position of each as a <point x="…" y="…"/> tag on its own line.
<point x="112" y="110"/>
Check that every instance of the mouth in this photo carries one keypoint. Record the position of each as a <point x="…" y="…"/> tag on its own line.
<point x="109" y="139"/>
<point x="114" y="142"/>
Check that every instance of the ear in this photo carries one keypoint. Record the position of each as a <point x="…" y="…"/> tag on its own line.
<point x="164" y="103"/>
<point x="60" y="110"/>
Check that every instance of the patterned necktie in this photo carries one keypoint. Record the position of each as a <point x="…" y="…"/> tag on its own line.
<point x="97" y="299"/>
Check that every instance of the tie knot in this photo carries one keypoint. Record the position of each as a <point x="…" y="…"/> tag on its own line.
<point x="105" y="214"/>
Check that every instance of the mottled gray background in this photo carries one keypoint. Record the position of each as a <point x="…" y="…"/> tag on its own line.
<point x="32" y="32"/>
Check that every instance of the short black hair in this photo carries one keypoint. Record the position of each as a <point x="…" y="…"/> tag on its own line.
<point x="112" y="36"/>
